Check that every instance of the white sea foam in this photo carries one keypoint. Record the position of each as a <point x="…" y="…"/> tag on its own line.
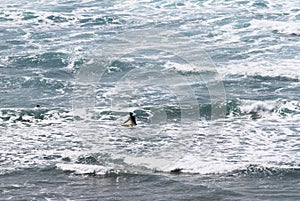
<point x="270" y="140"/>
<point x="84" y="168"/>
<point x="283" y="27"/>
<point x="258" y="106"/>
<point x="286" y="68"/>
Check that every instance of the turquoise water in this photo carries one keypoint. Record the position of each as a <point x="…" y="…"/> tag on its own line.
<point x="214" y="86"/>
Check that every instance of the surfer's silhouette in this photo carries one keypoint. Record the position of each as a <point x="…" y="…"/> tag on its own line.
<point x="130" y="121"/>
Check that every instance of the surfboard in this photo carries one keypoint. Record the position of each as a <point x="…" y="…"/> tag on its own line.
<point x="131" y="120"/>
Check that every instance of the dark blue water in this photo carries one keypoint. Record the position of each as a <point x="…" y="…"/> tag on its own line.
<point x="214" y="86"/>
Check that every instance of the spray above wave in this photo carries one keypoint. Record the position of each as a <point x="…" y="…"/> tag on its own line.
<point x="279" y="107"/>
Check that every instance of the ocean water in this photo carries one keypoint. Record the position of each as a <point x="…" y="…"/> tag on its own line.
<point x="214" y="85"/>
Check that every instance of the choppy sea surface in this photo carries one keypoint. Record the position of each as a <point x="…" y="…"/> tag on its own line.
<point x="214" y="85"/>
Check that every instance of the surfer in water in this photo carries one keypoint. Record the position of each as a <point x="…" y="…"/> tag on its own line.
<point x="131" y="120"/>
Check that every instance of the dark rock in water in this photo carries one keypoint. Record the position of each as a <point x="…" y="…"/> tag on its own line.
<point x="295" y="34"/>
<point x="66" y="159"/>
<point x="176" y="171"/>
